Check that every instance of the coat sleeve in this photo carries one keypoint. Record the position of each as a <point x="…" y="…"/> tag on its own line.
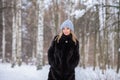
<point x="74" y="60"/>
<point x="51" y="58"/>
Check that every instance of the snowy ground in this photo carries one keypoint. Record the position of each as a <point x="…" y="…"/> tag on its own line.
<point x="29" y="72"/>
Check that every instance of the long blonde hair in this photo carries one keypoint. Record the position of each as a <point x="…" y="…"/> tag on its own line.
<point x="74" y="38"/>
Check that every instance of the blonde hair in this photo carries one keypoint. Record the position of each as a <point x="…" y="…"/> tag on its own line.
<point x="74" y="38"/>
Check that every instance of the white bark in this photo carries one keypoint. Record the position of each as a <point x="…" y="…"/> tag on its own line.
<point x="101" y="16"/>
<point x="18" y="26"/>
<point x="3" y="37"/>
<point x="40" y="34"/>
<point x="87" y="47"/>
<point x="14" y="36"/>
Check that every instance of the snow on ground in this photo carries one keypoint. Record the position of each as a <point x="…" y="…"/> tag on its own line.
<point x="29" y="72"/>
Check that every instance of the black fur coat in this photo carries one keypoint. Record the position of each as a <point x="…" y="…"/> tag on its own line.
<point x="63" y="57"/>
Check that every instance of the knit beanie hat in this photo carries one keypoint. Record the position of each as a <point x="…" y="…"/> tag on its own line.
<point x="67" y="23"/>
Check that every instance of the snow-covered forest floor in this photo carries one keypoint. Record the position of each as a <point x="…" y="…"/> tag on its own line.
<point x="29" y="72"/>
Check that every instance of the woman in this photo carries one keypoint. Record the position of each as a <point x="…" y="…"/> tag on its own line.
<point x="63" y="54"/>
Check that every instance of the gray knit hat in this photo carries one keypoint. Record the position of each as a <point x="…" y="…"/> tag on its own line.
<point x="67" y="23"/>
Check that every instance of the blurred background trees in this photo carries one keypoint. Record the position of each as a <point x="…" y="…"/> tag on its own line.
<point x="28" y="26"/>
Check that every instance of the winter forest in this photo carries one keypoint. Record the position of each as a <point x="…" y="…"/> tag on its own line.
<point x="27" y="28"/>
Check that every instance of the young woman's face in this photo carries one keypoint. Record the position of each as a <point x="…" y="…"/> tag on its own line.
<point x="66" y="31"/>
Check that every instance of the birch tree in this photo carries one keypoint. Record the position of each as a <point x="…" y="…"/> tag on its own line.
<point x="118" y="34"/>
<point x="40" y="34"/>
<point x="16" y="40"/>
<point x="101" y="21"/>
<point x="96" y="38"/>
<point x="1" y="29"/>
<point x="55" y="17"/>
<point x="35" y="33"/>
<point x="3" y="36"/>
<point x="19" y="32"/>
<point x="14" y="36"/>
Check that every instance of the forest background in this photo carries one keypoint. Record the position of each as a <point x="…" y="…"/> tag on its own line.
<point x="28" y="26"/>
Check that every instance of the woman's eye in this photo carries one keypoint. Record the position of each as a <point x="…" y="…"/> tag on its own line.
<point x="66" y="28"/>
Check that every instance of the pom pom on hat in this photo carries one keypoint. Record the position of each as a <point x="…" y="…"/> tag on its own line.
<point x="67" y="23"/>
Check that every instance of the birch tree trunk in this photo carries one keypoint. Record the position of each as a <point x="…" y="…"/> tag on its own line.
<point x="106" y="35"/>
<point x="118" y="36"/>
<point x="14" y="36"/>
<point x="95" y="49"/>
<point x="55" y="21"/>
<point x="83" y="48"/>
<point x="40" y="35"/>
<point x="18" y="28"/>
<point x="101" y="19"/>
<point x="112" y="41"/>
<point x="3" y="36"/>
<point x="96" y="38"/>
